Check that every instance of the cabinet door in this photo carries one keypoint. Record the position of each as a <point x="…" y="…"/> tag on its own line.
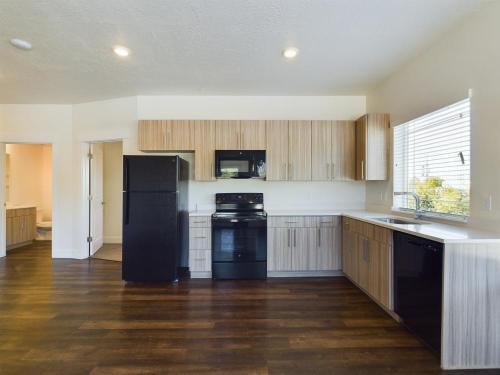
<point x="152" y="135"/>
<point x="374" y="269"/>
<point x="349" y="253"/>
<point x="204" y="153"/>
<point x="228" y="135"/>
<point x="343" y="150"/>
<point x="300" y="249"/>
<point x="10" y="231"/>
<point x="325" y="249"/>
<point x="379" y="274"/>
<point x="363" y="255"/>
<point x="377" y="146"/>
<point x="299" y="150"/>
<point x="180" y="135"/>
<point x="361" y="125"/>
<point x="279" y="249"/>
<point x="277" y="150"/>
<point x="321" y="145"/>
<point x="253" y="135"/>
<point x="200" y="260"/>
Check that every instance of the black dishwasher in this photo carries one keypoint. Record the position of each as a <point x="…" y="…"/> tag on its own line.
<point x="418" y="280"/>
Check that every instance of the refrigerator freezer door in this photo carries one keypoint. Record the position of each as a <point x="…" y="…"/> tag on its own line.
<point x="150" y="236"/>
<point x="150" y="173"/>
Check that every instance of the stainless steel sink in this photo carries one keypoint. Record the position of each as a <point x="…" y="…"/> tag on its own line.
<point x="393" y="220"/>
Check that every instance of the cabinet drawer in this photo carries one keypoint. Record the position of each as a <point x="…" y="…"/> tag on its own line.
<point x="200" y="238"/>
<point x="327" y="221"/>
<point x="285" y="221"/>
<point x="200" y="260"/>
<point x="200" y="221"/>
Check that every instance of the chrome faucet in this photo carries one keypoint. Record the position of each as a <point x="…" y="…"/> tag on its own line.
<point x="418" y="212"/>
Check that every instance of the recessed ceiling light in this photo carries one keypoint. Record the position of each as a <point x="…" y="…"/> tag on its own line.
<point x="121" y="51"/>
<point x="21" y="44"/>
<point x="290" y="53"/>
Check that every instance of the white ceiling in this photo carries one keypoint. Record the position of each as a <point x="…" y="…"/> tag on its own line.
<point x="211" y="47"/>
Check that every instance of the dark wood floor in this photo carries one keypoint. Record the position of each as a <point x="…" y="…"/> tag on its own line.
<point x="78" y="317"/>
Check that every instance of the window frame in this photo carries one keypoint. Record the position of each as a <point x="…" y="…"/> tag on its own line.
<point x="432" y="214"/>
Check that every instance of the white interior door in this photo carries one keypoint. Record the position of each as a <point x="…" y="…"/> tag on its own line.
<point x="96" y="197"/>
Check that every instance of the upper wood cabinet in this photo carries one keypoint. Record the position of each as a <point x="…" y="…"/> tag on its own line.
<point x="241" y="135"/>
<point x="166" y="135"/>
<point x="333" y="150"/>
<point x="299" y="150"/>
<point x="372" y="145"/>
<point x="204" y="169"/>
<point x="228" y="135"/>
<point x="252" y="135"/>
<point x="276" y="150"/>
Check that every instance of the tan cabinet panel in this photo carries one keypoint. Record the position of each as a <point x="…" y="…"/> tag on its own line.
<point x="200" y="238"/>
<point x="343" y="150"/>
<point x="299" y="240"/>
<point x="277" y="150"/>
<point x="325" y="245"/>
<point x="321" y="145"/>
<point x="349" y="251"/>
<point x="372" y="147"/>
<point x="299" y="150"/>
<point x="204" y="154"/>
<point x="363" y="256"/>
<point x="180" y="135"/>
<point x="279" y="249"/>
<point x="200" y="260"/>
<point x="253" y="135"/>
<point x="152" y="135"/>
<point x="228" y="136"/>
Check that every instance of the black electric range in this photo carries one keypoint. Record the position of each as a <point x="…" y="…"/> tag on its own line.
<point x="239" y="236"/>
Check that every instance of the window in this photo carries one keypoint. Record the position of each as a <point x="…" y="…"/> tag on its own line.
<point x="432" y="159"/>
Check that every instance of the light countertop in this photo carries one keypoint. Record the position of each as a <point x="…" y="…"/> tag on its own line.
<point x="19" y="207"/>
<point x="444" y="233"/>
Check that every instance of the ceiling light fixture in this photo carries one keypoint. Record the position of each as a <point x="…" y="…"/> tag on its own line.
<point x="21" y="44"/>
<point x="121" y="51"/>
<point x="290" y="53"/>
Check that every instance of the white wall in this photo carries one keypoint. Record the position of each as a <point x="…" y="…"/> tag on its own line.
<point x="30" y="177"/>
<point x="46" y="124"/>
<point x="467" y="57"/>
<point x="113" y="181"/>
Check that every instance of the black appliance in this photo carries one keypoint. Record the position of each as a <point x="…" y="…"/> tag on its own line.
<point x="418" y="280"/>
<point x="155" y="218"/>
<point x="240" y="164"/>
<point x="239" y="237"/>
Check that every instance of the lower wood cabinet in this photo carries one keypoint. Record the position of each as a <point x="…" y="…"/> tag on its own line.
<point x="367" y="256"/>
<point x="304" y="244"/>
<point x="200" y="246"/>
<point x="21" y="226"/>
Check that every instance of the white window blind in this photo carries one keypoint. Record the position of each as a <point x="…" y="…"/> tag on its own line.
<point x="432" y="159"/>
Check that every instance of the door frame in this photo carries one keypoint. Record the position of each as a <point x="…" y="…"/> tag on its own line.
<point x="3" y="208"/>
<point x="86" y="175"/>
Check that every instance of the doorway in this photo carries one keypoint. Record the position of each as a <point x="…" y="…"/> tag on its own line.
<point x="105" y="200"/>
<point x="28" y="199"/>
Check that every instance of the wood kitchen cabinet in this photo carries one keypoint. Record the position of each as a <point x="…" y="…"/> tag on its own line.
<point x="166" y="135"/>
<point x="299" y="150"/>
<point x="372" y="147"/>
<point x="304" y="243"/>
<point x="333" y="150"/>
<point x="277" y="150"/>
<point x="367" y="256"/>
<point x="204" y="154"/>
<point x="240" y="135"/>
<point x="20" y="226"/>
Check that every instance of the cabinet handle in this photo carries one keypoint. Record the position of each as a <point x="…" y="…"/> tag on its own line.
<point x="289" y="237"/>
<point x="319" y="238"/>
<point x="362" y="169"/>
<point x="295" y="238"/>
<point x="327" y="171"/>
<point x="198" y="222"/>
<point x="333" y="171"/>
<point x="199" y="237"/>
<point x="290" y="222"/>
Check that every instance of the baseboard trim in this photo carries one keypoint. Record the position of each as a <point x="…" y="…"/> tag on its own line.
<point x="335" y="273"/>
<point x="18" y="245"/>
<point x="201" y="275"/>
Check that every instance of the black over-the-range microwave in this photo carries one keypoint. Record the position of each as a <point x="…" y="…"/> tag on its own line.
<point x="240" y="164"/>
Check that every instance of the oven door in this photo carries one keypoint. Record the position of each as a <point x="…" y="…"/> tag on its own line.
<point x="242" y="239"/>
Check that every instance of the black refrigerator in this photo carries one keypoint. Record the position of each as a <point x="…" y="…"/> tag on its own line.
<point x="155" y="218"/>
